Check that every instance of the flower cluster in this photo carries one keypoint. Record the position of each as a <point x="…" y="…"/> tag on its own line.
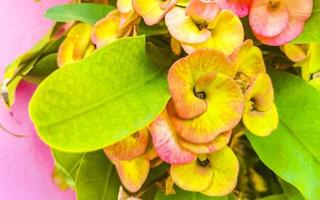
<point x="219" y="85"/>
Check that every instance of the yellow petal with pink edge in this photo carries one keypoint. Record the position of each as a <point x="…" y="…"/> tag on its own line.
<point x="74" y="47"/>
<point x="184" y="28"/>
<point x="150" y="153"/>
<point x="225" y="103"/>
<point x="184" y="73"/>
<point x="165" y="141"/>
<point x="226" y="34"/>
<point x="295" y="52"/>
<point x="260" y="123"/>
<point x="260" y="93"/>
<point x="248" y="59"/>
<point x="260" y="116"/>
<point x="106" y="29"/>
<point x="192" y="176"/>
<point x="201" y="10"/>
<point x="152" y="11"/>
<point x="130" y="147"/>
<point x="225" y="168"/>
<point x="124" y="6"/>
<point x="215" y="145"/>
<point x="133" y="173"/>
<point x="225" y="107"/>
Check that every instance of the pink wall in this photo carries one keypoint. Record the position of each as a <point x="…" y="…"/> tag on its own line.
<point x="25" y="163"/>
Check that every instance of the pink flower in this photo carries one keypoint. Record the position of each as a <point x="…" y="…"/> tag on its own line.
<point x="276" y="22"/>
<point x="240" y="7"/>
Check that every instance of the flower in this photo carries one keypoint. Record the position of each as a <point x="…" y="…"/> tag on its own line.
<point x="206" y="104"/>
<point x="212" y="174"/>
<point x="152" y="11"/>
<point x="203" y="25"/>
<point x="260" y="115"/>
<point x="116" y="24"/>
<point x="305" y="56"/>
<point x="276" y="22"/>
<point x="76" y="46"/>
<point x="240" y="7"/>
<point x="133" y="158"/>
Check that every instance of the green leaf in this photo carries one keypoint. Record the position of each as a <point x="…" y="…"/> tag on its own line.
<point x="293" y="151"/>
<point x="275" y="197"/>
<point x="21" y="67"/>
<point x="18" y="68"/>
<point x="84" y="12"/>
<point x="92" y="174"/>
<point x="102" y="99"/>
<point x="311" y="31"/>
<point x="42" y="69"/>
<point x="290" y="191"/>
<point x="158" y="29"/>
<point x="186" y="195"/>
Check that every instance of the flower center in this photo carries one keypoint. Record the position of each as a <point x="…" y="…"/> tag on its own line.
<point x="274" y="5"/>
<point x="203" y="162"/>
<point x="243" y="81"/>
<point x="200" y="94"/>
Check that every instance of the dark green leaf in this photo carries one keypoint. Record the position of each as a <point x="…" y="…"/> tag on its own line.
<point x="290" y="191"/>
<point x="311" y="31"/>
<point x="275" y="197"/>
<point x="185" y="195"/>
<point x="293" y="151"/>
<point x="84" y="12"/>
<point x="42" y="69"/>
<point x="92" y="174"/>
<point x="158" y="29"/>
<point x="102" y="99"/>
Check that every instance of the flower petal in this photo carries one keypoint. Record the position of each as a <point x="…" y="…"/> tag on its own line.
<point x="225" y="167"/>
<point x="165" y="141"/>
<point x="249" y="59"/>
<point x="240" y="7"/>
<point x="74" y="47"/>
<point x="203" y="10"/>
<point x="184" y="73"/>
<point x="225" y="106"/>
<point x="183" y="28"/>
<point x="152" y="11"/>
<point x="294" y="28"/>
<point x="260" y="116"/>
<point x="226" y="34"/>
<point x="295" y="52"/>
<point x="260" y="123"/>
<point x="300" y="10"/>
<point x="133" y="173"/>
<point x="215" y="145"/>
<point x="267" y="21"/>
<point x="124" y="6"/>
<point x="261" y="93"/>
<point x="106" y="29"/>
<point x="130" y="147"/>
<point x="191" y="176"/>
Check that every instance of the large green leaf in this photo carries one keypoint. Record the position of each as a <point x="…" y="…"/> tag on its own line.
<point x="293" y="151"/>
<point x="91" y="174"/>
<point x="185" y="195"/>
<point x="84" y="12"/>
<point x="102" y="99"/>
<point x="311" y="31"/>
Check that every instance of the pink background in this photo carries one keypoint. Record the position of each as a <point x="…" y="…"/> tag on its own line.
<point x="25" y="163"/>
